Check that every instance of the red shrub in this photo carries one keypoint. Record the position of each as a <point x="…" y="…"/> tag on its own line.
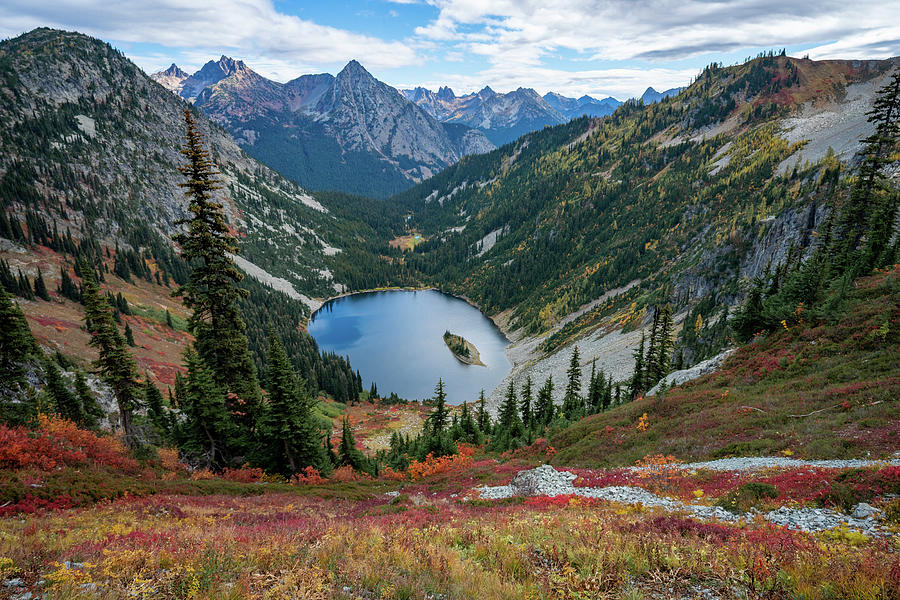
<point x="245" y="474"/>
<point x="309" y="476"/>
<point x="31" y="504"/>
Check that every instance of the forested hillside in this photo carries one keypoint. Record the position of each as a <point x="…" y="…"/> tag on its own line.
<point x="688" y="196"/>
<point x="88" y="171"/>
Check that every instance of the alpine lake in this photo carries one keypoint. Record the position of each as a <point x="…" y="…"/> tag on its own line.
<point x="395" y="338"/>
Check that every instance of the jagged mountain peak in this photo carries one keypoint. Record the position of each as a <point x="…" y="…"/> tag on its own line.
<point x="354" y="69"/>
<point x="445" y="93"/>
<point x="174" y="71"/>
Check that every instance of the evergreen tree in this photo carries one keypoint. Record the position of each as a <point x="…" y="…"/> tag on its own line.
<point x="114" y="364"/>
<point x="156" y="408"/>
<point x="544" y="407"/>
<point x="663" y="359"/>
<point x="437" y="420"/>
<point x="527" y="404"/>
<point x="64" y="400"/>
<point x="637" y="378"/>
<point x="595" y="389"/>
<point x="650" y="360"/>
<point x="607" y="393"/>
<point x="40" y="287"/>
<point x="467" y="426"/>
<point x="508" y="414"/>
<point x="348" y="454"/>
<point x="872" y="206"/>
<point x="436" y="439"/>
<point x="16" y="345"/>
<point x="67" y="287"/>
<point x="290" y="429"/>
<point x="169" y="322"/>
<point x="572" y="401"/>
<point x="24" y="287"/>
<point x="212" y="291"/>
<point x="91" y="409"/>
<point x="484" y="419"/>
<point x="129" y="335"/>
<point x="207" y="433"/>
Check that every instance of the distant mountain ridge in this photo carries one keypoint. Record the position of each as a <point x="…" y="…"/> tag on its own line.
<point x="348" y="132"/>
<point x="650" y="95"/>
<point x="506" y="117"/>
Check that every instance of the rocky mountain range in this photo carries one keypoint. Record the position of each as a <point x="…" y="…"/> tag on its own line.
<point x="506" y="117"/>
<point x="349" y="132"/>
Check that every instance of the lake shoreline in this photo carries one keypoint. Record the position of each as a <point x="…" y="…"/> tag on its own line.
<point x="500" y="323"/>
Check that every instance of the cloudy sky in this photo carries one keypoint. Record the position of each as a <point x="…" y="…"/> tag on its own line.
<point x="598" y="47"/>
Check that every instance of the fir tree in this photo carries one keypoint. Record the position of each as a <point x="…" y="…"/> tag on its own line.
<point x="65" y="401"/>
<point x="437" y="420"/>
<point x="467" y="425"/>
<point x="663" y="362"/>
<point x="527" y="404"/>
<point x="212" y="291"/>
<point x="129" y="335"/>
<point x="435" y="439"/>
<point x="155" y="403"/>
<point x="348" y="454"/>
<point x="24" y="286"/>
<point x="67" y="287"/>
<point x="595" y="388"/>
<point x="91" y="409"/>
<point x="544" y="407"/>
<point x="40" y="287"/>
<point x="508" y="414"/>
<point x="114" y="364"/>
<point x="650" y="361"/>
<point x="169" y="322"/>
<point x="289" y="428"/>
<point x="16" y="345"/>
<point x="484" y="419"/>
<point x="637" y="378"/>
<point x="208" y="432"/>
<point x="572" y="401"/>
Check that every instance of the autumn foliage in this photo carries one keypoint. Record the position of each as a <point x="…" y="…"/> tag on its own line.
<point x="59" y="443"/>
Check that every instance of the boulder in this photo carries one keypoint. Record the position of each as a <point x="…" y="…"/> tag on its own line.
<point x="685" y="375"/>
<point x="543" y="481"/>
<point x="864" y="511"/>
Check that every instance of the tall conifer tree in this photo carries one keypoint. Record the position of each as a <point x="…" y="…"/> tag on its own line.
<point x="289" y="428"/>
<point x="212" y="292"/>
<point x="114" y="363"/>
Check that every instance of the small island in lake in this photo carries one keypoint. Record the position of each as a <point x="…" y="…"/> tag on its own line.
<point x="464" y="351"/>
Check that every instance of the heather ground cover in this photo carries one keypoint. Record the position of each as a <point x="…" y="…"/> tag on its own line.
<point x="423" y="533"/>
<point x="419" y="543"/>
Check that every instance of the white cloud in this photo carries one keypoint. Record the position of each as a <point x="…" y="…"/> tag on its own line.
<point x="249" y="27"/>
<point x="662" y="29"/>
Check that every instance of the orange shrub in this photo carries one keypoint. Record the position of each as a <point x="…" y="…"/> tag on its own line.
<point x="442" y="464"/>
<point x="344" y="474"/>
<point x="169" y="460"/>
<point x="392" y="475"/>
<point x="309" y="476"/>
<point x="245" y="474"/>
<point x="202" y="474"/>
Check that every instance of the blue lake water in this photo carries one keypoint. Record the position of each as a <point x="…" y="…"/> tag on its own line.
<point x="396" y="339"/>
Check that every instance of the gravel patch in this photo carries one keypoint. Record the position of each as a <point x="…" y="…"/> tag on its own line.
<point x="547" y="481"/>
<point x="782" y="462"/>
